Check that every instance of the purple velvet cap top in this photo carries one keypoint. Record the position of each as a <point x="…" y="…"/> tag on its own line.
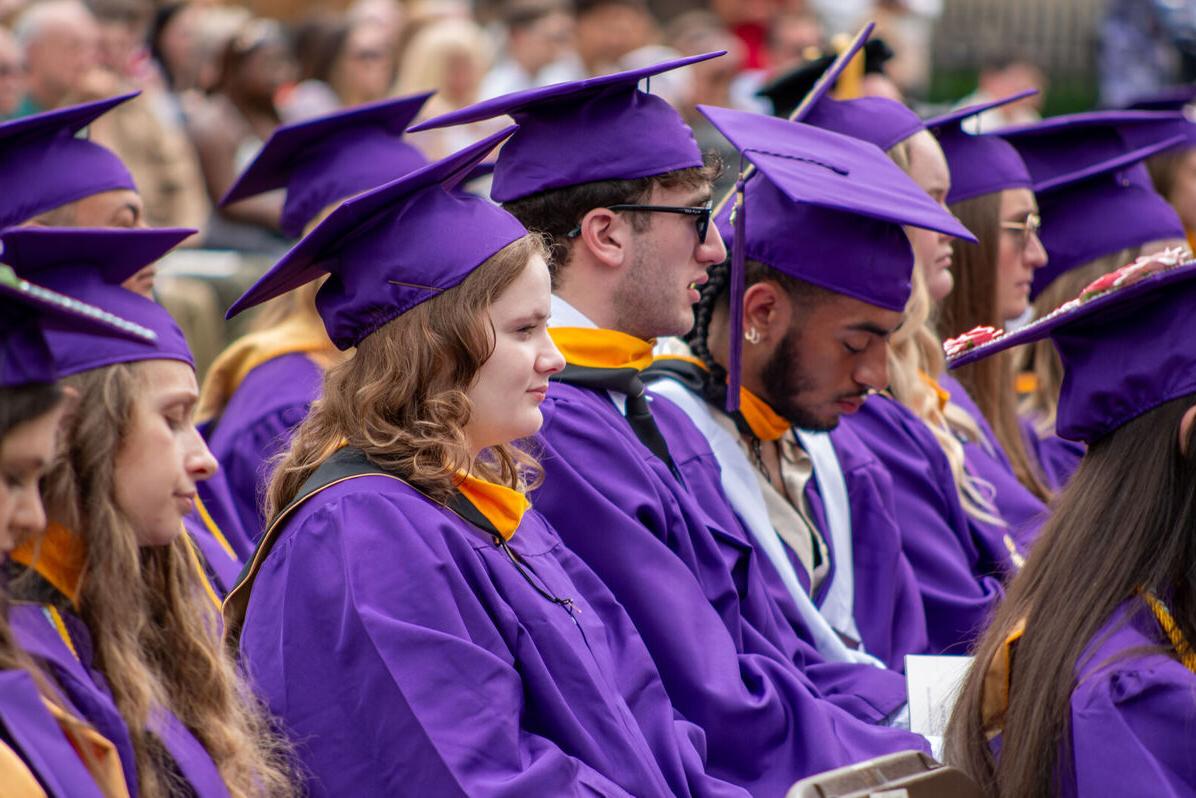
<point x="90" y="265"/>
<point x="601" y="128"/>
<point x="28" y="310"/>
<point x="393" y="247"/>
<point x="44" y="166"/>
<point x="878" y="120"/>
<point x="1125" y="344"/>
<point x="980" y="163"/>
<point x="319" y="161"/>
<point x="824" y="208"/>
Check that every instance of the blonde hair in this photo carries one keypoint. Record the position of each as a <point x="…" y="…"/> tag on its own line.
<point x="156" y="634"/>
<point x="425" y="61"/>
<point x="401" y="398"/>
<point x="1040" y="358"/>
<point x="916" y="358"/>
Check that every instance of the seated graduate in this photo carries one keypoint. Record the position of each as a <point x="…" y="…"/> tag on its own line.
<point x="417" y="627"/>
<point x="260" y="388"/>
<point x="630" y="483"/>
<point x="1085" y="683"/>
<point x="54" y="178"/>
<point x="45" y="746"/>
<point x="816" y="319"/>
<point x="991" y="193"/>
<point x="1103" y="213"/>
<point x="112" y="601"/>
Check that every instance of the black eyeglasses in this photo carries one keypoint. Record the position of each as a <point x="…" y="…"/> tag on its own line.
<point x="701" y="215"/>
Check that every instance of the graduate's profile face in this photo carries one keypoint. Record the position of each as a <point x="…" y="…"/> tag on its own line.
<point x="667" y="262"/>
<point x="1183" y="189"/>
<point x="162" y="456"/>
<point x="932" y="250"/>
<point x="26" y="453"/>
<point x="834" y="351"/>
<point x="506" y="394"/>
<point x="1019" y="253"/>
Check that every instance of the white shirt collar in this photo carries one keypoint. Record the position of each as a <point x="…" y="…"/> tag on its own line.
<point x="565" y="315"/>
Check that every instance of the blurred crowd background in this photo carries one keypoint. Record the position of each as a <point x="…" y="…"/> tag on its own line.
<point x="218" y="78"/>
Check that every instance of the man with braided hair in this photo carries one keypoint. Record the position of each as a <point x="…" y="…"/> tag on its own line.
<point x="613" y="176"/>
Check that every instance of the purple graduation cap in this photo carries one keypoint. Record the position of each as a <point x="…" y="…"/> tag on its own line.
<point x="980" y="163"/>
<point x="44" y="165"/>
<point x="878" y="120"/>
<point x="601" y="128"/>
<point x="825" y="208"/>
<point x="28" y="310"/>
<point x="1125" y="344"/>
<point x="319" y="161"/>
<point x="393" y="247"/>
<point x="89" y="265"/>
<point x="1092" y="188"/>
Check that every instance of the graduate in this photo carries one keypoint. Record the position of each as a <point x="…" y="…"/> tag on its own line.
<point x="113" y="602"/>
<point x="991" y="193"/>
<point x="54" y="178"/>
<point x="1091" y="183"/>
<point x="815" y="345"/>
<point x="1085" y="683"/>
<point x="45" y="746"/>
<point x="630" y="484"/>
<point x="417" y="626"/>
<point x="261" y="387"/>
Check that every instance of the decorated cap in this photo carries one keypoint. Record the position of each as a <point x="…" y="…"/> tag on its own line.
<point x="44" y="165"/>
<point x="391" y="248"/>
<point x="89" y="265"/>
<point x="1064" y="149"/>
<point x="28" y="310"/>
<point x="980" y="163"/>
<point x="601" y="128"/>
<point x="824" y="208"/>
<point x="1125" y="345"/>
<point x="319" y="161"/>
<point x="878" y="120"/>
<point x="787" y="91"/>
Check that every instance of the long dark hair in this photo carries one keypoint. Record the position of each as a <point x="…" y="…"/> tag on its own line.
<point x="25" y="403"/>
<point x="973" y="302"/>
<point x="1125" y="523"/>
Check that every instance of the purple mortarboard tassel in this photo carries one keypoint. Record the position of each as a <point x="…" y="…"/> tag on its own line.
<point x="980" y="163"/>
<point x="320" y="161"/>
<point x="393" y="247"/>
<point x="878" y="120"/>
<point x="738" y="279"/>
<point x="1125" y="345"/>
<point x="28" y="310"/>
<point x="601" y="128"/>
<point x="90" y="265"/>
<point x="43" y="165"/>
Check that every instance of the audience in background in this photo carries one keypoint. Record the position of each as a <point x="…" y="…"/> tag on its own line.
<point x="61" y="41"/>
<point x="538" y="34"/>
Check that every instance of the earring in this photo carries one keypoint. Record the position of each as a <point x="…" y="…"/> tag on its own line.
<point x="752" y="336"/>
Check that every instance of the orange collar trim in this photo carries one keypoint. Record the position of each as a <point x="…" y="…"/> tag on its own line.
<point x="59" y="556"/>
<point x="1026" y="382"/>
<point x="501" y="505"/>
<point x="942" y="393"/>
<point x="603" y="349"/>
<point x="994" y="702"/>
<point x="761" y="418"/>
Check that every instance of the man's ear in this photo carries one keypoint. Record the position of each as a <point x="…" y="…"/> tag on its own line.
<point x="766" y="309"/>
<point x="1185" y="430"/>
<point x="606" y="236"/>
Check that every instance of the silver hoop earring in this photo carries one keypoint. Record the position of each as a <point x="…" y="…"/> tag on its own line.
<point x="752" y="336"/>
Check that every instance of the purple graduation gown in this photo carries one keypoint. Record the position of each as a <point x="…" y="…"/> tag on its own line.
<point x="1058" y="457"/>
<point x="1132" y="719"/>
<point x="89" y="697"/>
<point x="693" y="587"/>
<point x="959" y="583"/>
<point x="220" y="567"/>
<point x="407" y="655"/>
<point x="1022" y="510"/>
<point x="257" y="424"/>
<point x="28" y="728"/>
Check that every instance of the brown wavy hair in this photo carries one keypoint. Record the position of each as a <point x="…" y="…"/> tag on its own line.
<point x="401" y="398"/>
<point x="156" y="633"/>
<point x="990" y="382"/>
<point x="1125" y="524"/>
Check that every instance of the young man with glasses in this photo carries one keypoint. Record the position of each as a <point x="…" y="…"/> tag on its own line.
<point x="613" y="177"/>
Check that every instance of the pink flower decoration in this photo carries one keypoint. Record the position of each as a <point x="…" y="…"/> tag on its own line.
<point x="954" y="347"/>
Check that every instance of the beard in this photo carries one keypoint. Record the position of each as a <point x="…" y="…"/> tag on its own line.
<point x="785" y="382"/>
<point x="647" y="299"/>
